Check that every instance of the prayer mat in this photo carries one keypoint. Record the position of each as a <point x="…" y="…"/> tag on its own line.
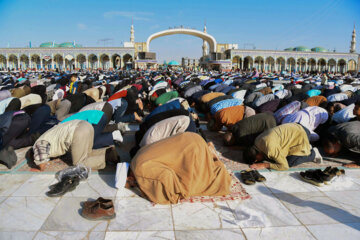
<point x="236" y="192"/>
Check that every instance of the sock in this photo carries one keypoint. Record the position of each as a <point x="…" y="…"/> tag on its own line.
<point x="122" y="127"/>
<point x="117" y="136"/>
<point x="318" y="157"/>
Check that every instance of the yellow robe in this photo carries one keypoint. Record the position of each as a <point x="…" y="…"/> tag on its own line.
<point x="179" y="167"/>
<point x="285" y="140"/>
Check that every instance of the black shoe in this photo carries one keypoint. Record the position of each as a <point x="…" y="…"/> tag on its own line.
<point x="67" y="184"/>
<point x="316" y="177"/>
<point x="331" y="173"/>
<point x="247" y="177"/>
<point x="258" y="177"/>
<point x="8" y="157"/>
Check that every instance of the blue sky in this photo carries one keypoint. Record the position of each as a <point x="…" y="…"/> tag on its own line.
<point x="268" y="24"/>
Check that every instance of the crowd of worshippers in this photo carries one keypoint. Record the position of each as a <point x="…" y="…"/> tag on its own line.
<point x="83" y="115"/>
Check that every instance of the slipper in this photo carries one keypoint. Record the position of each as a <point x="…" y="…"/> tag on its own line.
<point x="247" y="177"/>
<point x="331" y="173"/>
<point x="312" y="177"/>
<point x="258" y="177"/>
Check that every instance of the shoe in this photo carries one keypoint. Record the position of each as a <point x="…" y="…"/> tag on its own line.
<point x="247" y="177"/>
<point x="99" y="212"/>
<point x="8" y="157"/>
<point x="332" y="173"/>
<point x="67" y="184"/>
<point x="105" y="202"/>
<point x="315" y="177"/>
<point x="258" y="177"/>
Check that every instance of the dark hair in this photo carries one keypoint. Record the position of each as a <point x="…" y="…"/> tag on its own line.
<point x="357" y="103"/>
<point x="249" y="155"/>
<point x="324" y="104"/>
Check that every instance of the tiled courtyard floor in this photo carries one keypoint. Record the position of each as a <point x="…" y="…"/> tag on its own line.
<point x="283" y="207"/>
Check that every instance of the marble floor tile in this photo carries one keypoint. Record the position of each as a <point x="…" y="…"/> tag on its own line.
<point x="37" y="185"/>
<point x="49" y="235"/>
<point x="210" y="234"/>
<point x="316" y="208"/>
<point x="353" y="174"/>
<point x="193" y="216"/>
<point x="341" y="183"/>
<point x="17" y="235"/>
<point x="349" y="231"/>
<point x="143" y="235"/>
<point x="346" y="199"/>
<point x="124" y="192"/>
<point x="278" y="233"/>
<point x="2" y="199"/>
<point x="9" y="183"/>
<point x="289" y="182"/>
<point x="66" y="217"/>
<point x="262" y="211"/>
<point x="25" y="213"/>
<point x="95" y="186"/>
<point x="138" y="214"/>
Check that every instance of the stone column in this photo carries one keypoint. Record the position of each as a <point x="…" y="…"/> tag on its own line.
<point x="75" y="62"/>
<point x="52" y="61"/>
<point x="30" y="62"/>
<point x="18" y="61"/>
<point x="98" y="66"/>
<point x="64" y="67"/>
<point x="41" y="62"/>
<point x="87" y="62"/>
<point x="110" y="61"/>
<point x="242" y="64"/>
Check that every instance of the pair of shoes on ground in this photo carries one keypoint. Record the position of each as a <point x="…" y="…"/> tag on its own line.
<point x="67" y="184"/>
<point x="320" y="177"/>
<point x="100" y="209"/>
<point x="250" y="177"/>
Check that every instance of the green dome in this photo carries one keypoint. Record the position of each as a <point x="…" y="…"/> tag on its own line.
<point x="66" y="45"/>
<point x="318" y="49"/>
<point x="48" y="45"/>
<point x="173" y="63"/>
<point x="302" y="49"/>
<point x="289" y="49"/>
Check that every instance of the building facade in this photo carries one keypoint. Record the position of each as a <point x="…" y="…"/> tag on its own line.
<point x="71" y="57"/>
<point x="219" y="56"/>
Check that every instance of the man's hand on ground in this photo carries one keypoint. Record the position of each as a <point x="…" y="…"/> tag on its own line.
<point x="260" y="165"/>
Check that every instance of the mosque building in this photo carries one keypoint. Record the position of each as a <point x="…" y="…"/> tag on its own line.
<point x="219" y="56"/>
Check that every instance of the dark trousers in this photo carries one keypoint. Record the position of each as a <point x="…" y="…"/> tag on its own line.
<point x="297" y="160"/>
<point x="120" y="111"/>
<point x="102" y="139"/>
<point x="14" y="105"/>
<point x="39" y="119"/>
<point x="18" y="127"/>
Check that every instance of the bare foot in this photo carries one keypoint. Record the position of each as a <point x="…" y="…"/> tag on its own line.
<point x="140" y="103"/>
<point x="352" y="165"/>
<point x="40" y="168"/>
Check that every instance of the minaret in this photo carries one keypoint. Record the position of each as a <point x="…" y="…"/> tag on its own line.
<point x="204" y="46"/>
<point x="132" y="35"/>
<point x="353" y="41"/>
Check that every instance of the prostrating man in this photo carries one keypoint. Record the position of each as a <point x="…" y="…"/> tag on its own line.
<point x="284" y="146"/>
<point x="192" y="171"/>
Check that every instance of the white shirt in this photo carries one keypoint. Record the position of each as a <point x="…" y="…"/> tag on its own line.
<point x="310" y="117"/>
<point x="345" y="114"/>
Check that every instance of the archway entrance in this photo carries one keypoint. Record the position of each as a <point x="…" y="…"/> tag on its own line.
<point x="206" y="37"/>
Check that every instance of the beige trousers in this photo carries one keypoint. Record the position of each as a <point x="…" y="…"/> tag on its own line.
<point x="81" y="148"/>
